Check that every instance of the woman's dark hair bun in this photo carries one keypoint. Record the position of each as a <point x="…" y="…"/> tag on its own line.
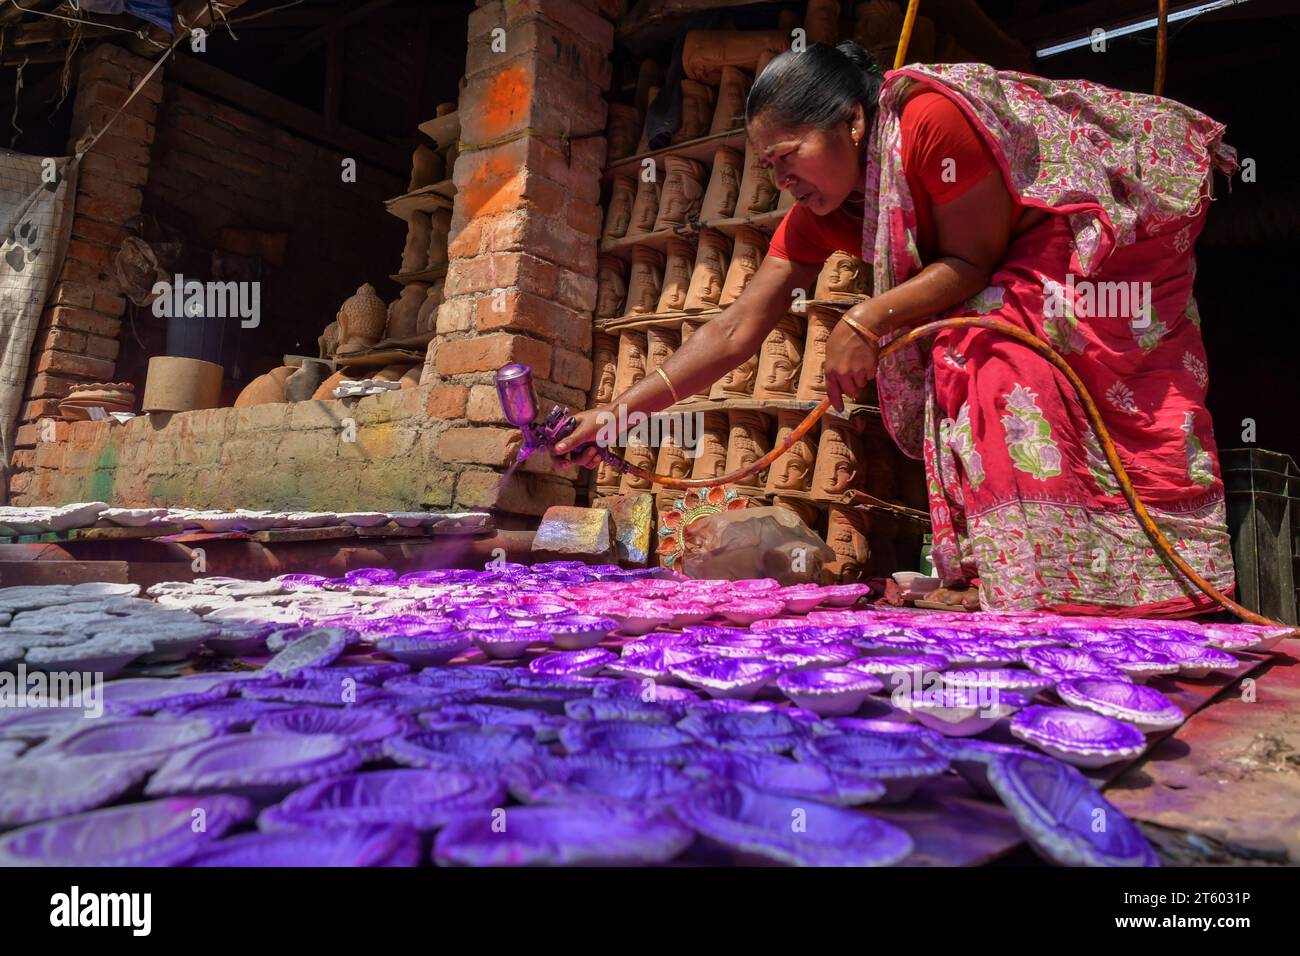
<point x="817" y="87"/>
<point x="860" y="57"/>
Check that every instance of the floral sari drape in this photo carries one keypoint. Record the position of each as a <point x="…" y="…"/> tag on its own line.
<point x="1021" y="497"/>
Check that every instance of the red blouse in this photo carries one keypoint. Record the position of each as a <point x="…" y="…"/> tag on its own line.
<point x="934" y="130"/>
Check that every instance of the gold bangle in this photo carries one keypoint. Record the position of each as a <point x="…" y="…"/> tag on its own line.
<point x="867" y="334"/>
<point x="669" y="382"/>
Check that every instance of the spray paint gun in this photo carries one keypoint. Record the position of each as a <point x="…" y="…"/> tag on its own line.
<point x="519" y="404"/>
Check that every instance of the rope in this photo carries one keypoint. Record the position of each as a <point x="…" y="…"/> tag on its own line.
<point x="1157" y="538"/>
<point x="82" y="150"/>
<point x="565" y="139"/>
<point x="78" y="20"/>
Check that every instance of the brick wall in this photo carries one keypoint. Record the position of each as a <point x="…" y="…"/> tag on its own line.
<point x="217" y="166"/>
<point x="521" y="283"/>
<point x="77" y="339"/>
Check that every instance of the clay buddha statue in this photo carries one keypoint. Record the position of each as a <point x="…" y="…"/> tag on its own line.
<point x="643" y="456"/>
<point x="647" y="278"/>
<point x="660" y="345"/>
<point x="645" y="207"/>
<point x="329" y="340"/>
<point x="812" y="379"/>
<point x="747" y="441"/>
<point x="683" y="192"/>
<point x="631" y="361"/>
<point x="404" y="311"/>
<point x="838" y="460"/>
<point x="706" y="52"/>
<point x="688" y="329"/>
<point x="673" y="462"/>
<point x="622" y="131"/>
<point x="439" y="234"/>
<point x="738" y="383"/>
<point x="611" y="292"/>
<point x="747" y="253"/>
<point x="607" y="478"/>
<point x="711" y="462"/>
<point x="757" y="191"/>
<point x="426" y="320"/>
<point x="415" y="254"/>
<point x="677" y="276"/>
<point x="618" y="215"/>
<point x="710" y="269"/>
<point x="697" y="111"/>
<point x="822" y="21"/>
<point x="724" y="185"/>
<point x="361" y="319"/>
<point x="604" y="368"/>
<point x="780" y="360"/>
<point x="843" y="275"/>
<point x="729" y="113"/>
<point x="793" y="471"/>
<point x="845" y="536"/>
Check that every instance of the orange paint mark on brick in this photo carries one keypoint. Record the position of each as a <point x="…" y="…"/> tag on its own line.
<point x="505" y="100"/>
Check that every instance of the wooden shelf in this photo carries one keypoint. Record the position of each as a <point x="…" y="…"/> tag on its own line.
<point x="701" y="149"/>
<point x="660" y="320"/>
<point x="770" y="406"/>
<point x="443" y="130"/>
<point x="622" y="247"/>
<point x="425" y="199"/>
<point x="428" y="275"/>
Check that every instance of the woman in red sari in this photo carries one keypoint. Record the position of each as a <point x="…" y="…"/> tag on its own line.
<point x="1064" y="208"/>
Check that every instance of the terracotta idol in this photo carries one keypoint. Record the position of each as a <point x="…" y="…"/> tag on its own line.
<point x="683" y="192"/>
<point x="618" y="215"/>
<point x="748" y="252"/>
<point x="793" y="471"/>
<point x="647" y="278"/>
<point x="611" y="287"/>
<point x="724" y="185"/>
<point x="729" y="114"/>
<point x="677" y="276"/>
<point x="710" y="268"/>
<point x="605" y="370"/>
<point x="780" y="360"/>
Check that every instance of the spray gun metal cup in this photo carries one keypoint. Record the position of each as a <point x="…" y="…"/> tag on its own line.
<point x="515" y="390"/>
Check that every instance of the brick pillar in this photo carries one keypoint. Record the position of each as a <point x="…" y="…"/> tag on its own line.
<point x="77" y="339"/>
<point x="521" y="280"/>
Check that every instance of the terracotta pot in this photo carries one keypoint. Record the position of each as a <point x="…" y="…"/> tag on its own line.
<point x="361" y="320"/>
<point x="328" y="343"/>
<point x="302" y="384"/>
<point x="326" y="390"/>
<point x="268" y="389"/>
<point x="176" y="384"/>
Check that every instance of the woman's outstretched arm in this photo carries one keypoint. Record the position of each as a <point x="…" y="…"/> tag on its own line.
<point x="720" y="345"/>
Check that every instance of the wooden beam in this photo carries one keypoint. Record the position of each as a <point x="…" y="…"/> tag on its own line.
<point x="296" y="51"/>
<point x="193" y="72"/>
